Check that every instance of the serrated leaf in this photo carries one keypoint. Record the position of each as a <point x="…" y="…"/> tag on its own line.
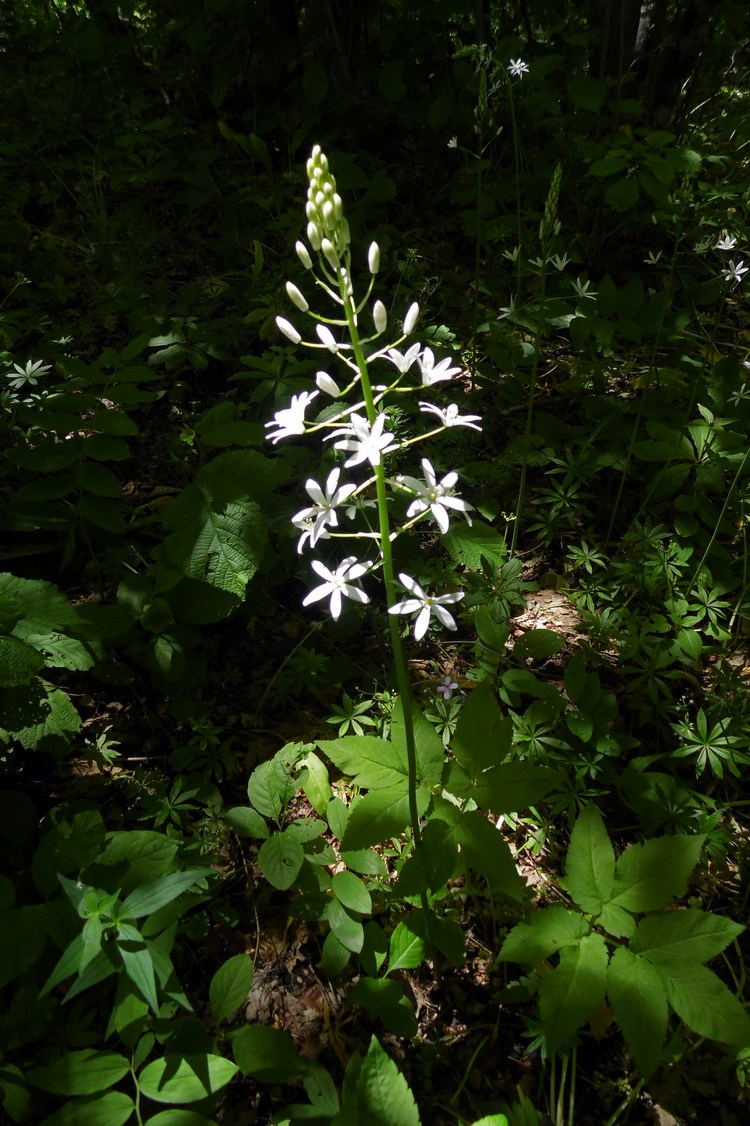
<point x="386" y="999"/>
<point x="687" y="935"/>
<point x="573" y="992"/>
<point x="39" y="717"/>
<point x="483" y="734"/>
<point x="375" y="1093"/>
<point x="483" y="846"/>
<point x="590" y="863"/>
<point x="431" y="866"/>
<point x="379" y="815"/>
<point x="513" y="786"/>
<point x="545" y="933"/>
<point x="704" y="1003"/>
<point x="80" y="1073"/>
<point x="405" y="950"/>
<point x="467" y="545"/>
<point x="185" y="1079"/>
<point x="230" y="986"/>
<point x="428" y="746"/>
<point x="373" y="763"/>
<point x="280" y="859"/>
<point x="18" y="662"/>
<point x="651" y="874"/>
<point x="639" y="1003"/>
<point x="268" y="1054"/>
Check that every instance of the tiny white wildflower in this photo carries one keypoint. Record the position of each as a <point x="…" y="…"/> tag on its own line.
<point x="291" y="420"/>
<point x="582" y="289"/>
<point x="423" y="605"/>
<point x="517" y="68"/>
<point x="652" y="258"/>
<point x="403" y="360"/>
<point x="337" y="584"/>
<point x="734" y="272"/>
<point x="726" y="242"/>
<point x="740" y="396"/>
<point x="453" y="143"/>
<point x="451" y="417"/>
<point x="507" y="310"/>
<point x="560" y="261"/>
<point x="434" y="372"/>
<point x="315" y="520"/>
<point x="364" y="442"/>
<point x="435" y="496"/>
<point x="512" y="255"/>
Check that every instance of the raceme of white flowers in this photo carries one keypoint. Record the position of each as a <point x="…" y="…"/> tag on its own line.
<point x="355" y="419"/>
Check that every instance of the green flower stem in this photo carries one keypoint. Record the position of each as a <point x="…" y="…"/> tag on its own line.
<point x="386" y="550"/>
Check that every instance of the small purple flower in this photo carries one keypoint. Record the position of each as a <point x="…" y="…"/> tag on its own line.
<point x="447" y="687"/>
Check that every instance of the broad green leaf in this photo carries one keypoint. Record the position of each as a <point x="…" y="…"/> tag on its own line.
<point x="590" y="863"/>
<point x="704" y="1003"/>
<point x="483" y="846"/>
<point x="80" y="1073"/>
<point x="375" y="949"/>
<point x="375" y="1093"/>
<point x="280" y="859"/>
<point x="67" y="848"/>
<point x="335" y="956"/>
<point x="39" y="717"/>
<point x="545" y="933"/>
<point x="102" y="512"/>
<point x="268" y="1054"/>
<point x="651" y="874"/>
<point x="350" y="891"/>
<point x="379" y="815"/>
<point x="687" y="935"/>
<point x="269" y="788"/>
<point x="430" y="867"/>
<point x="639" y="1003"/>
<point x="19" y="662"/>
<point x="245" y="822"/>
<point x="185" y="1079"/>
<point x="136" y="958"/>
<point x="230" y="986"/>
<point x="113" y="1109"/>
<point x="513" y="786"/>
<point x="386" y="999"/>
<point x="15" y="1098"/>
<point x="428" y="746"/>
<point x="135" y="857"/>
<point x="348" y="931"/>
<point x="572" y="993"/>
<point x="372" y="763"/>
<point x="98" y="479"/>
<point x="483" y="734"/>
<point x="315" y="783"/>
<point x="157" y="893"/>
<point x="538" y="644"/>
<point x="491" y="1120"/>
<point x="405" y="950"/>
<point x="177" y="1116"/>
<point x="467" y="545"/>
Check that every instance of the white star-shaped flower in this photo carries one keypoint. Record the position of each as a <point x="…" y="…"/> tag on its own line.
<point x="403" y="360"/>
<point x="314" y="520"/>
<point x="435" y="495"/>
<point x="423" y="605"/>
<point x="726" y="242"/>
<point x="451" y="417"/>
<point x="735" y="273"/>
<point x="291" y="420"/>
<point x="337" y="584"/>
<point x="434" y="372"/>
<point x="517" y="68"/>
<point x="365" y="442"/>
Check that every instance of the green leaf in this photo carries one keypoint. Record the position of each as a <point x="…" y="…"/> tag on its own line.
<point x="113" y="1109"/>
<point x="590" y="863"/>
<point x="386" y="999"/>
<point x="315" y="783"/>
<point x="335" y="956"/>
<point x="687" y="935"/>
<point x="622" y="194"/>
<point x="430" y="867"/>
<point x="157" y="893"/>
<point x="406" y="949"/>
<point x="39" y="717"/>
<point x="380" y="815"/>
<point x="137" y="855"/>
<point x="428" y="746"/>
<point x="348" y="931"/>
<point x="483" y="734"/>
<point x="572" y="993"/>
<point x="704" y="1003"/>
<point x="513" y="786"/>
<point x="372" y="763"/>
<point x="230" y="986"/>
<point x="245" y="822"/>
<point x="351" y="892"/>
<point x="185" y="1079"/>
<point x="375" y="1093"/>
<point x="98" y="479"/>
<point x="639" y="1003"/>
<point x="538" y="644"/>
<point x="102" y="512"/>
<point x="18" y="662"/>
<point x="467" y="545"/>
<point x="280" y="859"/>
<point x="651" y="874"/>
<point x="80" y="1073"/>
<point x="176" y="1116"/>
<point x="268" y="1054"/>
<point x="136" y="958"/>
<point x="483" y="846"/>
<point x="545" y="933"/>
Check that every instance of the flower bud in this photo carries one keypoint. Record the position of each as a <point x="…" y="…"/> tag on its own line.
<point x="296" y="297"/>
<point x="313" y="235"/>
<point x="324" y="382"/>
<point x="331" y="256"/>
<point x="311" y="212"/>
<point x="338" y="207"/>
<point x="380" y="316"/>
<point x="325" y="336"/>
<point x="328" y="217"/>
<point x="373" y="258"/>
<point x="410" y="320"/>
<point x="288" y="329"/>
<point x="304" y="255"/>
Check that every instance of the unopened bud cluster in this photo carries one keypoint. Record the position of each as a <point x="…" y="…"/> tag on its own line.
<point x="327" y="229"/>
